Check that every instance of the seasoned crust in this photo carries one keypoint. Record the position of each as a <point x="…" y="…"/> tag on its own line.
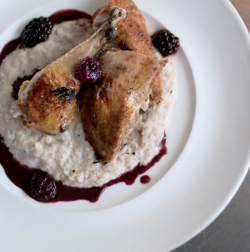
<point x="42" y="109"/>
<point x="110" y="108"/>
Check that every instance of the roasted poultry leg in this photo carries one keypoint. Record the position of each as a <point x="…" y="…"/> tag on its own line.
<point x="110" y="108"/>
<point x="132" y="34"/>
<point x="48" y="101"/>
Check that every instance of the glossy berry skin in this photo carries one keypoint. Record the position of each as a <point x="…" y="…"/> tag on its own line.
<point x="88" y="70"/>
<point x="36" y="31"/>
<point x="43" y="188"/>
<point x="165" y="42"/>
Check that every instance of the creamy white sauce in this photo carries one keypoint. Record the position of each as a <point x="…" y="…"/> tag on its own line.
<point x="69" y="157"/>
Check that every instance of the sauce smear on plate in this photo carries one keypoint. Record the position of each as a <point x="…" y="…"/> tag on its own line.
<point x="145" y="179"/>
<point x="20" y="175"/>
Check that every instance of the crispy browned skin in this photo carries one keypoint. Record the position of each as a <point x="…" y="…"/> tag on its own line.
<point x="110" y="108"/>
<point x="47" y="111"/>
<point x="132" y="34"/>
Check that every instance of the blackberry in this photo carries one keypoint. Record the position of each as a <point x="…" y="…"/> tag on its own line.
<point x="165" y="42"/>
<point x="43" y="188"/>
<point x="36" y="31"/>
<point x="88" y="70"/>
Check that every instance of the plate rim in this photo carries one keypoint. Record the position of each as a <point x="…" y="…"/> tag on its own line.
<point x="244" y="171"/>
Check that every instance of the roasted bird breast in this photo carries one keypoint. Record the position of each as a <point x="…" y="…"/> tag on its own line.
<point x="110" y="108"/>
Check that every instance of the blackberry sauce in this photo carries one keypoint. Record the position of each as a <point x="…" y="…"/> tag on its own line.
<point x="68" y="15"/>
<point x="18" y="82"/>
<point x="9" y="48"/>
<point x="145" y="179"/>
<point x="21" y="175"/>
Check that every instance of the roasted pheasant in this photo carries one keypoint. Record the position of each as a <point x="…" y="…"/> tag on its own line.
<point x="132" y="34"/>
<point x="48" y="101"/>
<point x="110" y="108"/>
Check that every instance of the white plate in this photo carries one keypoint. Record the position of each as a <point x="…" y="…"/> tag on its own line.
<point x="208" y="142"/>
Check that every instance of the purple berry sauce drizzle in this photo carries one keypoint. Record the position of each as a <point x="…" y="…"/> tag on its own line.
<point x="145" y="179"/>
<point x="18" y="82"/>
<point x="21" y="175"/>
